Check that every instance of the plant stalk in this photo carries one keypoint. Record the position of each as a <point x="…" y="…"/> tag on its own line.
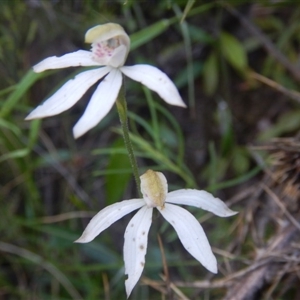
<point x="122" y="111"/>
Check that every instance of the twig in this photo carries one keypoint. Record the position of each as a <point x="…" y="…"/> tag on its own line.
<point x="276" y="86"/>
<point x="106" y="286"/>
<point x="176" y="290"/>
<point x="67" y="216"/>
<point x="225" y="282"/>
<point x="155" y="284"/>
<point x="247" y="287"/>
<point x="281" y="206"/>
<point x="164" y="261"/>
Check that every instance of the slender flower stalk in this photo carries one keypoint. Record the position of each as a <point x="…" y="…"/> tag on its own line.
<point x="154" y="188"/>
<point x="110" y="47"/>
<point x="122" y="111"/>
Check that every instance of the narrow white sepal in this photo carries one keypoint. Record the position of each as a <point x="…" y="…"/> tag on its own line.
<point x="155" y="80"/>
<point x="200" y="199"/>
<point x="107" y="216"/>
<point x="135" y="246"/>
<point x="191" y="235"/>
<point x="80" y="58"/>
<point x="100" y="104"/>
<point x="68" y="94"/>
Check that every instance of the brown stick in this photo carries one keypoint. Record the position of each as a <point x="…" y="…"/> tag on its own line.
<point x="246" y="288"/>
<point x="276" y="86"/>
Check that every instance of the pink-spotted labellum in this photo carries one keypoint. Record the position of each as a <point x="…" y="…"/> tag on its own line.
<point x="110" y="47"/>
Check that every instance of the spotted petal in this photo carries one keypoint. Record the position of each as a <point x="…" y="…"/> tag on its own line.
<point x="108" y="216"/>
<point x="135" y="246"/>
<point x="80" y="58"/>
<point x="156" y="81"/>
<point x="100" y="104"/>
<point x="200" y="199"/>
<point x="191" y="235"/>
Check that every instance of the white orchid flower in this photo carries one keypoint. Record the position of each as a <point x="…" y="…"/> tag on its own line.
<point x="154" y="188"/>
<point x="110" y="47"/>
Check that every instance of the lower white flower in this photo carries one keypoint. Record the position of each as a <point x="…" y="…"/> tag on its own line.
<point x="154" y="188"/>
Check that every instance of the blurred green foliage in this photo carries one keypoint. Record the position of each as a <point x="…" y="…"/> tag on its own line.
<point x="45" y="173"/>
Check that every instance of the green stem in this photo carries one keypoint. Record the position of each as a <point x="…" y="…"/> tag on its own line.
<point x="122" y="110"/>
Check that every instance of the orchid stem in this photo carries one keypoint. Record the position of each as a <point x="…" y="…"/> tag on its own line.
<point x="122" y="111"/>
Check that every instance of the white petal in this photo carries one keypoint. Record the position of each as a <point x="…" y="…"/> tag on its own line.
<point x="100" y="104"/>
<point x="200" y="199"/>
<point x="135" y="246"/>
<point x="68" y="94"/>
<point x="191" y="235"/>
<point x="107" y="216"/>
<point x="155" y="80"/>
<point x="74" y="59"/>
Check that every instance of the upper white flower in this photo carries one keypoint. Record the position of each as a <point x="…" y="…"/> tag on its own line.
<point x="110" y="47"/>
<point x="154" y="188"/>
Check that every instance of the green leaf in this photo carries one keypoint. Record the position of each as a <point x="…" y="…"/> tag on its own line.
<point x="182" y="78"/>
<point x="10" y="126"/>
<point x="96" y="250"/>
<point x="288" y="123"/>
<point x="240" y="160"/>
<point x="210" y="73"/>
<point x="162" y="159"/>
<point x="187" y="8"/>
<point x="147" y="34"/>
<point x="235" y="181"/>
<point x="233" y="51"/>
<point x="33" y="133"/>
<point x="28" y="80"/>
<point x="198" y="35"/>
<point x="14" y="154"/>
<point x="116" y="182"/>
